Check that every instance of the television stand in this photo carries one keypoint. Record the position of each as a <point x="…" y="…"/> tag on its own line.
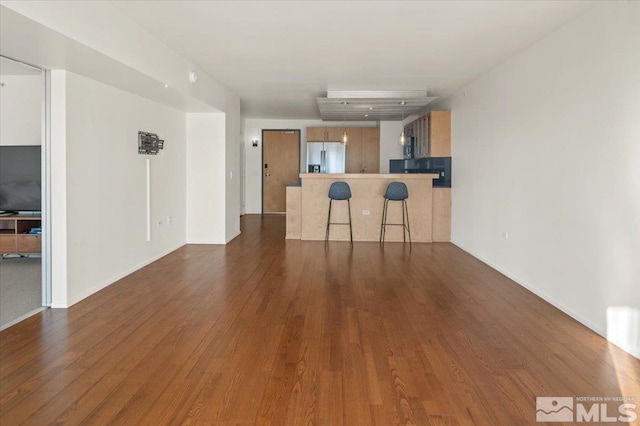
<point x="15" y="237"/>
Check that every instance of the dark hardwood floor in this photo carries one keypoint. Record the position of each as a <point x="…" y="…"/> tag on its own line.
<point x="265" y="330"/>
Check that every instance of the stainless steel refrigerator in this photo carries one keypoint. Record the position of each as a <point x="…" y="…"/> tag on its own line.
<point x="325" y="157"/>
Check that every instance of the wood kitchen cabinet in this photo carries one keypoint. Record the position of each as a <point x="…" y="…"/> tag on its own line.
<point x="371" y="149"/>
<point x="14" y="236"/>
<point x="325" y="134"/>
<point x="362" y="154"/>
<point x="353" y="151"/>
<point x="439" y="133"/>
<point x="432" y="134"/>
<point x="441" y="218"/>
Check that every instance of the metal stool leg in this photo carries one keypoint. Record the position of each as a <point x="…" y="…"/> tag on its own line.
<point x="326" y="234"/>
<point x="404" y="234"/>
<point x="406" y="208"/>
<point x="350" y="228"/>
<point x="382" y="221"/>
<point x="383" y="226"/>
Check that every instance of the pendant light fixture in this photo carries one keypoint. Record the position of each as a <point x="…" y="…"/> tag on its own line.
<point x="345" y="135"/>
<point x="403" y="139"/>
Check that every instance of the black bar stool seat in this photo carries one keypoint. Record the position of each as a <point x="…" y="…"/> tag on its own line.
<point x="339" y="191"/>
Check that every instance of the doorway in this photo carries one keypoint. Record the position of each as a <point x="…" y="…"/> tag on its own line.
<point x="280" y="166"/>
<point x="24" y="266"/>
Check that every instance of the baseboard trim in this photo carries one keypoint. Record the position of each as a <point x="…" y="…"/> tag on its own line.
<point x="22" y="318"/>
<point x="237" y="233"/>
<point x="115" y="278"/>
<point x="533" y="289"/>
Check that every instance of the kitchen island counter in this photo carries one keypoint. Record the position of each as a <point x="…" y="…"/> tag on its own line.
<point x="309" y="204"/>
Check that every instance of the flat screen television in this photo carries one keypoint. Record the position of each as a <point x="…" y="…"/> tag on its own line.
<point x="20" y="179"/>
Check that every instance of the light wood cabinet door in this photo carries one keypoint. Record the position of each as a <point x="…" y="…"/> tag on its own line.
<point x="325" y="134"/>
<point x="440" y="134"/>
<point x="371" y="150"/>
<point x="433" y="134"/>
<point x="334" y="134"/>
<point x="7" y="244"/>
<point x="316" y="134"/>
<point x="441" y="220"/>
<point x="353" y="151"/>
<point x="29" y="244"/>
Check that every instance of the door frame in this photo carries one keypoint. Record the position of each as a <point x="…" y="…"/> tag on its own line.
<point x="262" y="159"/>
<point x="45" y="179"/>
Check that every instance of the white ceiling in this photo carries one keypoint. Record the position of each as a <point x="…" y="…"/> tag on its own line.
<point x="280" y="56"/>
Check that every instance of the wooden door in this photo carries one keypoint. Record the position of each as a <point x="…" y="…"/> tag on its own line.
<point x="353" y="151"/>
<point x="371" y="150"/>
<point x="281" y="165"/>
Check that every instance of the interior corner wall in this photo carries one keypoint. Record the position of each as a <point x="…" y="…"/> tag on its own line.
<point x="206" y="183"/>
<point x="95" y="134"/>
<point x="390" y="147"/>
<point x="21" y="110"/>
<point x="546" y="148"/>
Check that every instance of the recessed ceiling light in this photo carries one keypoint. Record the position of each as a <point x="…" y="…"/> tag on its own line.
<point x="403" y="103"/>
<point x="370" y="108"/>
<point x="166" y="85"/>
<point x="366" y="115"/>
<point x="193" y="77"/>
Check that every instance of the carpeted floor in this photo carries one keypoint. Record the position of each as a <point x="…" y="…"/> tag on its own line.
<point x="20" y="287"/>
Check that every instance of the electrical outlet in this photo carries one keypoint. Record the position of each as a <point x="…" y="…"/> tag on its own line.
<point x="366" y="212"/>
<point x="168" y="220"/>
<point x="505" y="235"/>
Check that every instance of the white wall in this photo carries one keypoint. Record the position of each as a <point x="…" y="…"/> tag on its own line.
<point x="253" y="155"/>
<point x="58" y="185"/>
<point x="106" y="184"/>
<point x="390" y="148"/>
<point x="117" y="51"/>
<point x="21" y="110"/>
<point x="233" y="169"/>
<point x="206" y="221"/>
<point x="546" y="147"/>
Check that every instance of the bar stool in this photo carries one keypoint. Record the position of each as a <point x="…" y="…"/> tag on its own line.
<point x="396" y="191"/>
<point x="339" y="191"/>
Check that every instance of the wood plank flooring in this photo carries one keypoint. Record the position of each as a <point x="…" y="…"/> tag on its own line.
<point x="268" y="331"/>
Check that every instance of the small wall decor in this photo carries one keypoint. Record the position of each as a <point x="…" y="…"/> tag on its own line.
<point x="149" y="143"/>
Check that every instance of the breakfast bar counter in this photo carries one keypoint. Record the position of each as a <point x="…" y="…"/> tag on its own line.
<point x="308" y="205"/>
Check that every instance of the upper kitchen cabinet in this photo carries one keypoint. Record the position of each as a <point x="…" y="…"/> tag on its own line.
<point x="432" y="133"/>
<point x="371" y="149"/>
<point x="439" y="133"/>
<point x="363" y="150"/>
<point x="324" y="134"/>
<point x="353" y="151"/>
<point x="316" y="134"/>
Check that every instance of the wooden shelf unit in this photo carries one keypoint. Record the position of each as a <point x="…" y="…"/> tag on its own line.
<point x="14" y="236"/>
<point x="433" y="134"/>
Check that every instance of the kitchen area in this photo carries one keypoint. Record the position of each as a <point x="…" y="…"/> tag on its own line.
<point x="352" y="154"/>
